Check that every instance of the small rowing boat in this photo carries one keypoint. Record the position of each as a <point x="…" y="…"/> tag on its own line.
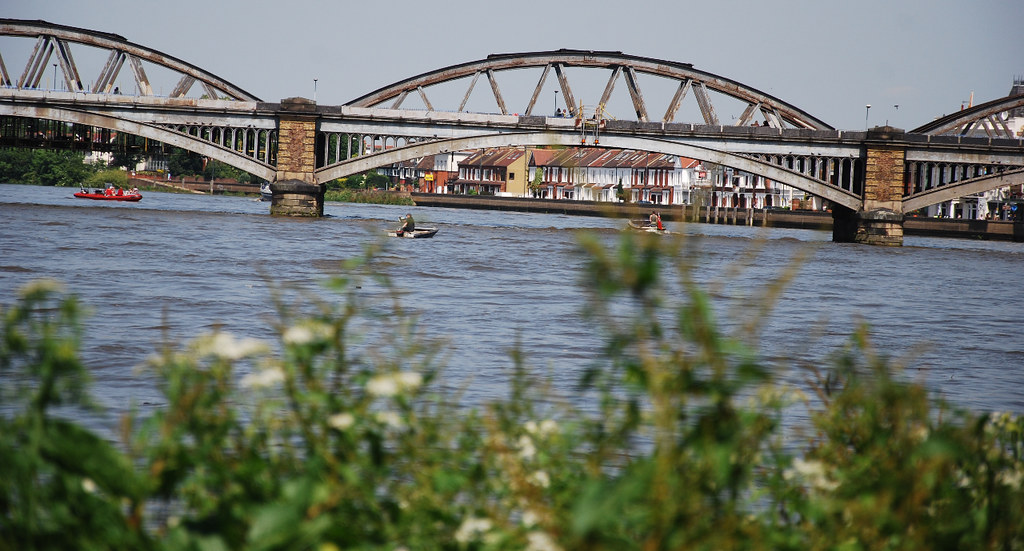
<point x="418" y="233"/>
<point x="645" y="226"/>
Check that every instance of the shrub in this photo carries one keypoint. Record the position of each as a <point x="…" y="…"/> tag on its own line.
<point x="102" y="178"/>
<point x="342" y="440"/>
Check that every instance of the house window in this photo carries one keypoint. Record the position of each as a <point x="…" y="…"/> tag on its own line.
<point x="511" y="175"/>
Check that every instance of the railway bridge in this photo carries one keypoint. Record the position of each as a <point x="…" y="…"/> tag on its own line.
<point x="870" y="177"/>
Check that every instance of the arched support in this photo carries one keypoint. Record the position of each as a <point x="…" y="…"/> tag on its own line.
<point x="415" y="150"/>
<point x="190" y="140"/>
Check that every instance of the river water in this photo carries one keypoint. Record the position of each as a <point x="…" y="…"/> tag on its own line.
<point x="180" y="265"/>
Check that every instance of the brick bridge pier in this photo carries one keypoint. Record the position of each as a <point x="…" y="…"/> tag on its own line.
<point x="880" y="221"/>
<point x="296" y="192"/>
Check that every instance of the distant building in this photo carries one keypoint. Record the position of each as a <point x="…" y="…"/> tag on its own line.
<point x="593" y="174"/>
<point x="491" y="172"/>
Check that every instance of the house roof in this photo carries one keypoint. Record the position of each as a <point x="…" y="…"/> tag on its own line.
<point x="495" y="157"/>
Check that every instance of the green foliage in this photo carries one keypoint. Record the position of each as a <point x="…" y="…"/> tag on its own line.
<point x="375" y="196"/>
<point x="109" y="176"/>
<point x="375" y="180"/>
<point x="181" y="162"/>
<point x="342" y="439"/>
<point x="43" y="167"/>
<point x="61" y="486"/>
<point x="125" y="160"/>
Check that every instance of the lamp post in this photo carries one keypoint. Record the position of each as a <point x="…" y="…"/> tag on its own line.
<point x="54" y="85"/>
<point x="867" y="109"/>
<point x="556" y="102"/>
<point x="314" y="90"/>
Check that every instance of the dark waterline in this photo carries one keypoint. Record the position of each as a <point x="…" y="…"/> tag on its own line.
<point x="182" y="265"/>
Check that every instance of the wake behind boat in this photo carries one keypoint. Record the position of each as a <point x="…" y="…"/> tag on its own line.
<point x="418" y="233"/>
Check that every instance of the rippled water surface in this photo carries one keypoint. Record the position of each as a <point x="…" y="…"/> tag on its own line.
<point x="181" y="265"/>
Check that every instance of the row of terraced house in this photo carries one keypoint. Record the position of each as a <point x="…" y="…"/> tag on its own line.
<point x="593" y="174"/>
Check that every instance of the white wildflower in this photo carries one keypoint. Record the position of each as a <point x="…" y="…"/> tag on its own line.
<point x="88" y="485"/>
<point x="341" y="421"/>
<point x="919" y="432"/>
<point x="541" y="479"/>
<point x="392" y="384"/>
<point x="540" y="541"/>
<point x="390" y="419"/>
<point x="813" y="472"/>
<point x="263" y="379"/>
<point x="963" y="480"/>
<point x="472" y="529"/>
<point x="226" y="347"/>
<point x="1011" y="479"/>
<point x="297" y="335"/>
<point x="306" y="333"/>
<point x="409" y="380"/>
<point x="382" y="385"/>
<point x="530" y="518"/>
<point x="545" y="428"/>
<point x="526" y="447"/>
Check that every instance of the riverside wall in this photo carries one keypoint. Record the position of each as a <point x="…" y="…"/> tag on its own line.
<point x="777" y="218"/>
<point x="216" y="187"/>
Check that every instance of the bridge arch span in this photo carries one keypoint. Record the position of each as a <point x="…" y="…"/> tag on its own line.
<point x="52" y="38"/>
<point x="949" y="192"/>
<point x="758" y="104"/>
<point x="989" y="118"/>
<point x="416" y="150"/>
<point x="153" y="132"/>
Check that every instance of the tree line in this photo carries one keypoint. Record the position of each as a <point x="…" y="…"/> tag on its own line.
<point x="64" y="168"/>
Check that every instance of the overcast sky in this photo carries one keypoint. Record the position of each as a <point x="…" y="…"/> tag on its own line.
<point x="828" y="57"/>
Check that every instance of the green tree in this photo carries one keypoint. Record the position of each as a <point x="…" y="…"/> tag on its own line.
<point x="373" y="179"/>
<point x="45" y="167"/>
<point x="184" y="163"/>
<point x="126" y="160"/>
<point x="538" y="179"/>
<point x="14" y="163"/>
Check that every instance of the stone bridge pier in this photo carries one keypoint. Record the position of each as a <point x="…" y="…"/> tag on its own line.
<point x="880" y="222"/>
<point x="296" y="192"/>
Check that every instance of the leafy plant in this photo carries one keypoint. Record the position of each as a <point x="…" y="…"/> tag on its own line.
<point x="339" y="437"/>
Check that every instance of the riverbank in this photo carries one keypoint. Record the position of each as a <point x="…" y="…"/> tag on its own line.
<point x="775" y="218"/>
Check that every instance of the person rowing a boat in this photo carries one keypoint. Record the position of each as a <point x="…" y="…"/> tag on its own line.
<point x="408" y="225"/>
<point x="656" y="220"/>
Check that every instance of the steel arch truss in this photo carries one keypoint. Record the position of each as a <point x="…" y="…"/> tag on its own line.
<point x="53" y="39"/>
<point x="988" y="119"/>
<point x="930" y="182"/>
<point x="774" y="169"/>
<point x="842" y="173"/>
<point x="777" y="113"/>
<point x="237" y="147"/>
<point x="257" y="144"/>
